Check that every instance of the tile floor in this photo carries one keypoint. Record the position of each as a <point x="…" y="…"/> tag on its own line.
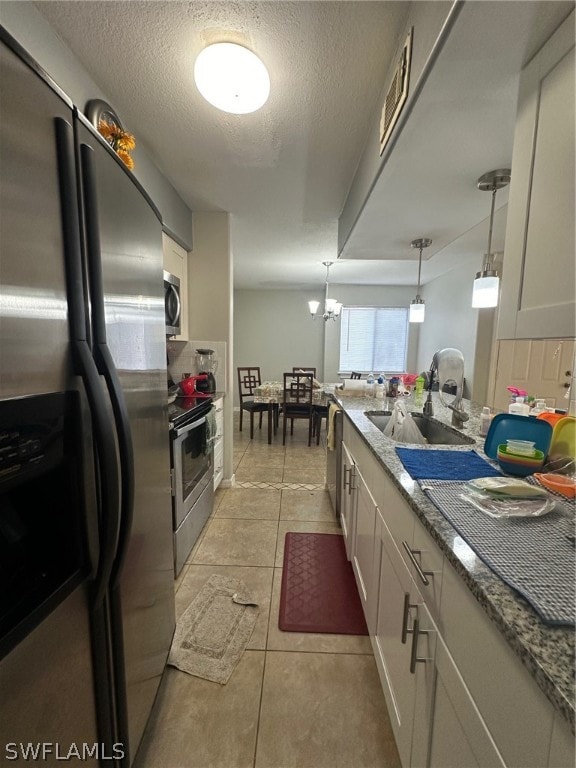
<point x="294" y="700"/>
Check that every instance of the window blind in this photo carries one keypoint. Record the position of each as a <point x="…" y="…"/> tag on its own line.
<point x="373" y="339"/>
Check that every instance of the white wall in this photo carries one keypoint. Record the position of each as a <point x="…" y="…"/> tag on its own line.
<point x="273" y="329"/>
<point x="451" y="322"/>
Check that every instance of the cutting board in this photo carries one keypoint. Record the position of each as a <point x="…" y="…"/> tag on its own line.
<point x="506" y="426"/>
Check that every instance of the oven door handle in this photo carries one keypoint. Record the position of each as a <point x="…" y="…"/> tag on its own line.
<point x="189" y="427"/>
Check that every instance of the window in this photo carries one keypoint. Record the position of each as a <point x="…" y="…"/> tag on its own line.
<point x="373" y="339"/>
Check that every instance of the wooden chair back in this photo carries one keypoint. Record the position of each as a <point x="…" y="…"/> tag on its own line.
<point x="248" y="379"/>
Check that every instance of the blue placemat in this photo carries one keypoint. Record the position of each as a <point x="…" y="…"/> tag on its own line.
<point x="423" y="464"/>
<point x="533" y="555"/>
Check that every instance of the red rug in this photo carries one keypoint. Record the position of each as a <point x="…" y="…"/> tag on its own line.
<point x="319" y="593"/>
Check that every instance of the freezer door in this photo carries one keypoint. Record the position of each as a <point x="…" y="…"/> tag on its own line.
<point x="132" y="277"/>
<point x="33" y="312"/>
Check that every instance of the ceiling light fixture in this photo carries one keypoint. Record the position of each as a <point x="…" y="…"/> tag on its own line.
<point x="332" y="307"/>
<point x="232" y="78"/>
<point x="487" y="281"/>
<point x="417" y="308"/>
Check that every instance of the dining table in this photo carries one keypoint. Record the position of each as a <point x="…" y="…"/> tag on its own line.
<point x="272" y="392"/>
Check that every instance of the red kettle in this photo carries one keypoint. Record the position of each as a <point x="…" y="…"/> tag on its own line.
<point x="188" y="385"/>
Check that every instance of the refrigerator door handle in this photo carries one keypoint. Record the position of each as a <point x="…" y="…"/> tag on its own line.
<point x="85" y="366"/>
<point x="103" y="357"/>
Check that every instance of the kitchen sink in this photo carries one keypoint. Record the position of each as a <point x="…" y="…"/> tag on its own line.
<point x="434" y="431"/>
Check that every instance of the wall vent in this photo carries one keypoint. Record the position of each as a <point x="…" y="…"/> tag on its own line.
<point x="397" y="93"/>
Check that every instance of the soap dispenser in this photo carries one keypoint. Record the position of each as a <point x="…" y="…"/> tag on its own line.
<point x="520" y="408"/>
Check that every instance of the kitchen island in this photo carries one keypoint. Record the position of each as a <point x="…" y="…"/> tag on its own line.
<point x="546" y="652"/>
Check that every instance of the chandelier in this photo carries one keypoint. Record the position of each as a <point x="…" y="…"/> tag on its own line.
<point x="332" y="307"/>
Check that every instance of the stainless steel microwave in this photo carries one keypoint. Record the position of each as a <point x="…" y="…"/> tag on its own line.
<point x="172" y="304"/>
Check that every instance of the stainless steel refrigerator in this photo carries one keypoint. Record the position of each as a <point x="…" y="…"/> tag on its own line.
<point x="86" y="560"/>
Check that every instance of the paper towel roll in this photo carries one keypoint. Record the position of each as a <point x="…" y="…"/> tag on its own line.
<point x="354" y="385"/>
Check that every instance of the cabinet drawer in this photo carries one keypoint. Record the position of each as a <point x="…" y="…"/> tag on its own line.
<point x="515" y="710"/>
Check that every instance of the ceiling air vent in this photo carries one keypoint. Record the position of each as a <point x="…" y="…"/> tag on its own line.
<point x="397" y="93"/>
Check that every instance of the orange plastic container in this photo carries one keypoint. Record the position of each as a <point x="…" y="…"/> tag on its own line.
<point x="551" y="418"/>
<point x="559" y="483"/>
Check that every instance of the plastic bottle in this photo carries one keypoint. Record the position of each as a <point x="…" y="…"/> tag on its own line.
<point x="520" y="408"/>
<point x="393" y="387"/>
<point x="419" y="391"/>
<point x="539" y="407"/>
<point x="485" y="419"/>
<point x="370" y="385"/>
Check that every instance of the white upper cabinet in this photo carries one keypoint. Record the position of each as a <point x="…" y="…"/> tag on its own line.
<point x="538" y="296"/>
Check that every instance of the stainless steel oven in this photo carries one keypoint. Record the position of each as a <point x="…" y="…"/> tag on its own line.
<point x="192" y="474"/>
<point x="172" y="304"/>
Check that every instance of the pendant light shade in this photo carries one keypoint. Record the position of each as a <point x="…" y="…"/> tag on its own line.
<point x="232" y="78"/>
<point x="485" y="290"/>
<point x="417" y="311"/>
<point x="487" y="282"/>
<point x="417" y="307"/>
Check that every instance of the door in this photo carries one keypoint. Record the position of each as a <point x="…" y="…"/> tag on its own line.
<point x="46" y="679"/>
<point x="542" y="367"/>
<point x="130" y="249"/>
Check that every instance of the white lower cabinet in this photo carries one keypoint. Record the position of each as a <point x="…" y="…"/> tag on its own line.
<point x="404" y="648"/>
<point x="219" y="442"/>
<point x="457" y="694"/>
<point x="459" y="738"/>
<point x="363" y="561"/>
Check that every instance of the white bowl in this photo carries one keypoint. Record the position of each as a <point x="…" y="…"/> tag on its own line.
<point x="521" y="447"/>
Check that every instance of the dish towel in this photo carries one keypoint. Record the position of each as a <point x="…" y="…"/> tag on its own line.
<point x="431" y="464"/>
<point x="330" y="437"/>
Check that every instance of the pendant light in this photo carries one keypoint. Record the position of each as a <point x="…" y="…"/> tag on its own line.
<point x="417" y="308"/>
<point x="487" y="281"/>
<point x="332" y="307"/>
<point x="232" y="78"/>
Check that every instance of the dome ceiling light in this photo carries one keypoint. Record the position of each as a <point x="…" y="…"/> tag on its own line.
<point x="232" y="78"/>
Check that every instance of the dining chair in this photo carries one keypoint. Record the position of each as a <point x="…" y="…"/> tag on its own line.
<point x="355" y="375"/>
<point x="248" y="379"/>
<point x="297" y="401"/>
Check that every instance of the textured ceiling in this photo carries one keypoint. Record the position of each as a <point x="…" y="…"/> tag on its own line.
<point x="284" y="172"/>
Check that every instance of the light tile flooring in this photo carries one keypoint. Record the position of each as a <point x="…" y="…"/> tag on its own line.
<point x="295" y="700"/>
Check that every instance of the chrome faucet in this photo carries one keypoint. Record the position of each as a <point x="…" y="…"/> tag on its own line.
<point x="428" y="409"/>
<point x="444" y="361"/>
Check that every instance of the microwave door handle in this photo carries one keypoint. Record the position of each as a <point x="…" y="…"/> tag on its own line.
<point x="85" y="366"/>
<point x="189" y="427"/>
<point x="105" y="363"/>
<point x="174" y="291"/>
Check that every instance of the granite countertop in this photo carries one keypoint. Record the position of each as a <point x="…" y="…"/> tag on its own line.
<point x="547" y="652"/>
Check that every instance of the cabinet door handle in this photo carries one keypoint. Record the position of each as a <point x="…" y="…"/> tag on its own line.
<point x="350" y="486"/>
<point x="416" y="632"/>
<point x="406" y="616"/>
<point x="422" y="574"/>
<point x="347" y="484"/>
